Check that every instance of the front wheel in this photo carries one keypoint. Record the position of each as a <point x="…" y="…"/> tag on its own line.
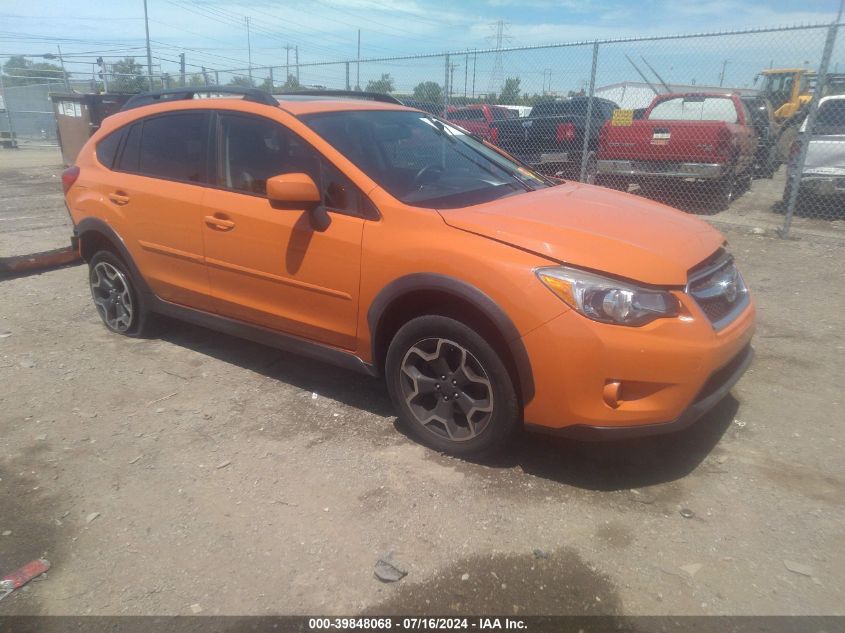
<point x="451" y="388"/>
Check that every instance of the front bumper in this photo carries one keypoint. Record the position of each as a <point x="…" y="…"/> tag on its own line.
<point x="671" y="371"/>
<point x="715" y="389"/>
<point x="661" y="169"/>
<point x="823" y="185"/>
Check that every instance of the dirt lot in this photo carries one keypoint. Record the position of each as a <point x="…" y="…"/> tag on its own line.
<point x="198" y="471"/>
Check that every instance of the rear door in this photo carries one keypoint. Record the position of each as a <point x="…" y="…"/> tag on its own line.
<point x="268" y="265"/>
<point x="156" y="191"/>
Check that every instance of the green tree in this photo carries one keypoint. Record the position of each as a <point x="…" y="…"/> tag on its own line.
<point x="196" y="80"/>
<point x="383" y="85"/>
<point x="241" y="81"/>
<point x="29" y="72"/>
<point x="127" y="75"/>
<point x="510" y="91"/>
<point x="429" y="92"/>
<point x="292" y="83"/>
<point x="267" y="85"/>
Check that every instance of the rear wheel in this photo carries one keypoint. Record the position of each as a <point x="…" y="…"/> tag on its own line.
<point x="723" y="192"/>
<point x="118" y="302"/>
<point x="451" y="388"/>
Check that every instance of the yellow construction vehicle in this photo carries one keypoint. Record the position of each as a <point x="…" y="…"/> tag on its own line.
<point x="789" y="90"/>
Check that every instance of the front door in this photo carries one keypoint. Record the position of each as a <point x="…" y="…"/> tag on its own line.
<point x="268" y="265"/>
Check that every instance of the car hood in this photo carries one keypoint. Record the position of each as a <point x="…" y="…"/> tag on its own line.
<point x="596" y="228"/>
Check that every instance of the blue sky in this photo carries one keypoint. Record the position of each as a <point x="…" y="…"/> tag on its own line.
<point x="214" y="34"/>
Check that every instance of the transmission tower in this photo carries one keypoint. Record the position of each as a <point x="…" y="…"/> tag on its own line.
<point x="499" y="37"/>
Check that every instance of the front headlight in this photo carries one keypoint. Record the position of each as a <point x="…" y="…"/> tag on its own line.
<point x="608" y="300"/>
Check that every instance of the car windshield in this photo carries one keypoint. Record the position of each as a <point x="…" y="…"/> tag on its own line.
<point x="421" y="160"/>
<point x="831" y="118"/>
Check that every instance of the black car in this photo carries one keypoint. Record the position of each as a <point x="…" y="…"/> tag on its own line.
<point x="773" y="138"/>
<point x="551" y="139"/>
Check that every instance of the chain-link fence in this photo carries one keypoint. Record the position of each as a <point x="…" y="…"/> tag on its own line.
<point x="744" y="123"/>
<point x="737" y="123"/>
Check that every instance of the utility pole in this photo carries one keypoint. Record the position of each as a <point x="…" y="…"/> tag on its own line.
<point x="8" y="109"/>
<point x="722" y="74"/>
<point x="103" y="73"/>
<point x="204" y="76"/>
<point x="149" y="50"/>
<point x="248" y="49"/>
<point x="497" y="75"/>
<point x="358" y="65"/>
<point x="466" y="72"/>
<point x="447" y="91"/>
<point x="452" y="68"/>
<point x="347" y="75"/>
<point x="182" y="69"/>
<point x="272" y="83"/>
<point x="474" y="60"/>
<point x="288" y="49"/>
<point x="64" y="72"/>
<point x="296" y="56"/>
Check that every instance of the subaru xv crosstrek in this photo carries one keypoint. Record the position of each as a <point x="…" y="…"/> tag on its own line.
<point x="383" y="239"/>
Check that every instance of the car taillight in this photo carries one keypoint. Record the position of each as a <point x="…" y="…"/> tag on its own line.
<point x="494" y="134"/>
<point x="564" y="132"/>
<point x="69" y="177"/>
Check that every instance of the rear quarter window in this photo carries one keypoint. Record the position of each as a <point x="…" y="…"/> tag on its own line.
<point x="695" y="109"/>
<point x="107" y="148"/>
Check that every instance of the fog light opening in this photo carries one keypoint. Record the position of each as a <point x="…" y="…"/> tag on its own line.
<point x="612" y="393"/>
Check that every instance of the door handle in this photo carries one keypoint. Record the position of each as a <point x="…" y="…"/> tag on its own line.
<point x="219" y="223"/>
<point x="119" y="198"/>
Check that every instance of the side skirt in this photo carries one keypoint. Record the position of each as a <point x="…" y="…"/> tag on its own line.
<point x="265" y="336"/>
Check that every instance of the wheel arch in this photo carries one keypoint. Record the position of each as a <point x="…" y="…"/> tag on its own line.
<point x="430" y="293"/>
<point x="95" y="234"/>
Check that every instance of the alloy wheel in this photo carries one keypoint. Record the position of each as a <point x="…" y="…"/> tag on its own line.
<point x="446" y="389"/>
<point x="110" y="290"/>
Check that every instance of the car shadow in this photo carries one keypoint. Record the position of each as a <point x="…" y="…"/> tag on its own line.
<point x="616" y="464"/>
<point x="348" y="387"/>
<point x="605" y="465"/>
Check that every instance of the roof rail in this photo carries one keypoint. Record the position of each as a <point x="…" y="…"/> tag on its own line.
<point x="179" y="94"/>
<point x="352" y="94"/>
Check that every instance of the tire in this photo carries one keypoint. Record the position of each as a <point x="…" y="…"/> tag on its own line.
<point x="115" y="293"/>
<point x="432" y="353"/>
<point x="723" y="191"/>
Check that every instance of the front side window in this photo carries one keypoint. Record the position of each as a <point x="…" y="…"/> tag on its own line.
<point x="421" y="160"/>
<point x="695" y="109"/>
<point x="253" y="149"/>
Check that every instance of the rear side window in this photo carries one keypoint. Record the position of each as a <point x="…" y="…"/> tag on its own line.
<point x="695" y="109"/>
<point x="107" y="148"/>
<point x="173" y="147"/>
<point x="131" y="150"/>
<point x="467" y="115"/>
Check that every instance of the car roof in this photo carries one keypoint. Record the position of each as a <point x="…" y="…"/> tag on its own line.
<point x="301" y="104"/>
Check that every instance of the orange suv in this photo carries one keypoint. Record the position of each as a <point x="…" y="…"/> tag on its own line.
<point x="349" y="228"/>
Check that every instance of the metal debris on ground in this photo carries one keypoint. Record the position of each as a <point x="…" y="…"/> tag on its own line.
<point x="20" y="577"/>
<point x="388" y="570"/>
<point x="687" y="513"/>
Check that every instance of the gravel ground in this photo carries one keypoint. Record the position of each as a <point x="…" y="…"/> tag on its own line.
<point x="195" y="472"/>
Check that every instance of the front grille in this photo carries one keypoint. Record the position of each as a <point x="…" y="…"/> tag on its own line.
<point x="718" y="289"/>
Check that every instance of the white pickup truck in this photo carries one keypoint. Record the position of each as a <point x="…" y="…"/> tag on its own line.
<point x="823" y="176"/>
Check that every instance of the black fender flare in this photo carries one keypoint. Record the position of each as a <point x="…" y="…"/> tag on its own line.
<point x="446" y="284"/>
<point x="96" y="225"/>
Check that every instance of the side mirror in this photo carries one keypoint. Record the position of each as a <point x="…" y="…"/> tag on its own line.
<point x="295" y="191"/>
<point x="289" y="189"/>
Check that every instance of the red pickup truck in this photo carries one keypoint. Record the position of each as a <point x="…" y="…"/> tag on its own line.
<point x="682" y="137"/>
<point x="481" y="119"/>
